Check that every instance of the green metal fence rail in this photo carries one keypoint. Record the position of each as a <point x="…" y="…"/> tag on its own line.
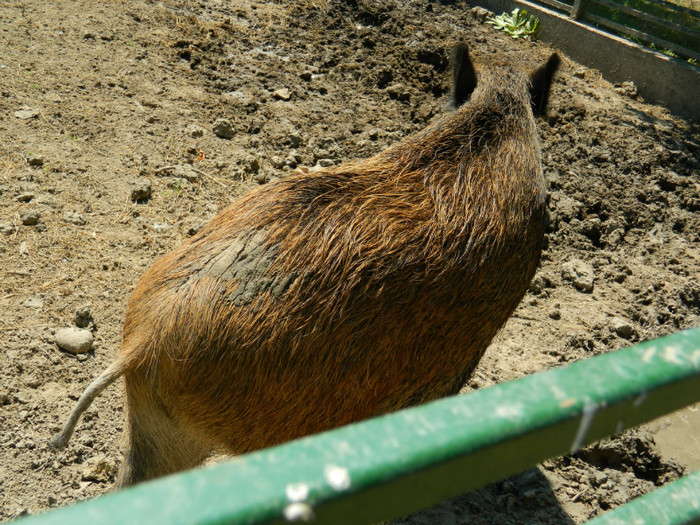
<point x="401" y="462"/>
<point x="677" y="503"/>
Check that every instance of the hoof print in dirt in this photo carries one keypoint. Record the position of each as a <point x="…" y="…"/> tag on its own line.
<point x="580" y="274"/>
<point x="74" y="340"/>
<point x="141" y="190"/>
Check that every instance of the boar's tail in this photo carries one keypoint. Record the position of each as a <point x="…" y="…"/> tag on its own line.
<point x="117" y="369"/>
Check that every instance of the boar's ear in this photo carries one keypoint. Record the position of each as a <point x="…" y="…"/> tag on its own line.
<point x="464" y="75"/>
<point x="540" y="82"/>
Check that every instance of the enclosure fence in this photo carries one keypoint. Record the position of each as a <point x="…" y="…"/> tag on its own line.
<point x="663" y="25"/>
<point x="396" y="464"/>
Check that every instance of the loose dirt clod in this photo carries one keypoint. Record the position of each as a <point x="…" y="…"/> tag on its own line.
<point x="580" y="273"/>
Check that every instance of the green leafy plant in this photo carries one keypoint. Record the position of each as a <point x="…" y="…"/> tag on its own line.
<point x="518" y="24"/>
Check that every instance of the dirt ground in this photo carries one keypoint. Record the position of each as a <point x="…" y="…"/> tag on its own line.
<point x="100" y="100"/>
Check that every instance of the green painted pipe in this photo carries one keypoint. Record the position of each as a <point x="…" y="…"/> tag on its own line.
<point x="677" y="503"/>
<point x="398" y="463"/>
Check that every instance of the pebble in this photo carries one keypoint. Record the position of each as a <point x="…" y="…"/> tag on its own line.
<point x="99" y="470"/>
<point x="539" y="283"/>
<point x="398" y="91"/>
<point x="222" y="128"/>
<point x="622" y="327"/>
<point x="325" y="163"/>
<point x="295" y="139"/>
<point x="83" y="316"/>
<point x="74" y="340"/>
<point x="253" y="163"/>
<point x="481" y="13"/>
<point x="277" y="162"/>
<point x="282" y="94"/>
<point x="30" y="217"/>
<point x="141" y="190"/>
<point x="195" y="131"/>
<point x="26" y="113"/>
<point x="24" y="197"/>
<point x="35" y="160"/>
<point x="580" y="273"/>
<point x="187" y="172"/>
<point x="74" y="218"/>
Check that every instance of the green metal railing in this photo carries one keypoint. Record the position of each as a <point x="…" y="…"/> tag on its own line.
<point x="677" y="503"/>
<point x="401" y="462"/>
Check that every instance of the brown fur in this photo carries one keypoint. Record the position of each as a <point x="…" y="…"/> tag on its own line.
<point x="334" y="296"/>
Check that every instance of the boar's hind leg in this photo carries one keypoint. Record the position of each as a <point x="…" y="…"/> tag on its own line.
<point x="155" y="444"/>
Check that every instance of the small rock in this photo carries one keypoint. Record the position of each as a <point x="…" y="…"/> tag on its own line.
<point x="24" y="197"/>
<point x="222" y="128"/>
<point x="30" y="217"/>
<point x="277" y="162"/>
<point x="615" y="237"/>
<point x="74" y="340"/>
<point x="555" y="314"/>
<point x="195" y="131"/>
<point x="282" y="94"/>
<point x="481" y="13"/>
<point x="26" y="113"/>
<point x="23" y="251"/>
<point x="567" y="208"/>
<point x="295" y="139"/>
<point x="253" y="163"/>
<point x="83" y="316"/>
<point x="74" y="218"/>
<point x="579" y="273"/>
<point x="325" y="163"/>
<point x="187" y="172"/>
<point x="35" y="160"/>
<point x="622" y="327"/>
<point x="100" y="470"/>
<point x="580" y="73"/>
<point x="539" y="283"/>
<point x="141" y="190"/>
<point x="398" y="92"/>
